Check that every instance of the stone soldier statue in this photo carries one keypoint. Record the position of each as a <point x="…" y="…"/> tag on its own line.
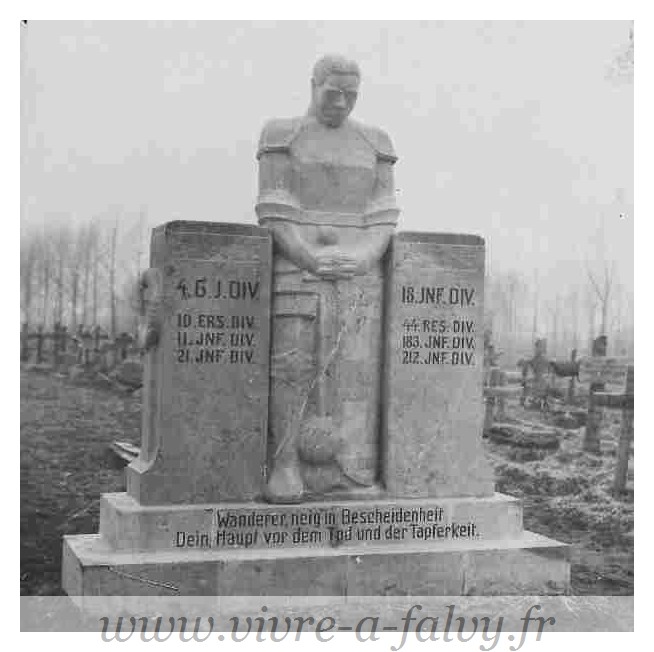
<point x="326" y="193"/>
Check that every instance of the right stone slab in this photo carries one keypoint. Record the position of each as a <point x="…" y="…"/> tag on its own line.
<point x="432" y="403"/>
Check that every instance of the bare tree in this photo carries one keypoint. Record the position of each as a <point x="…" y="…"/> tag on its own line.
<point x="45" y="265"/>
<point x="573" y="302"/>
<point x="76" y="271"/>
<point x="602" y="285"/>
<point x="112" y="277"/>
<point x="94" y="268"/>
<point x="28" y="267"/>
<point x="87" y="238"/>
<point x="61" y="255"/>
<point x="591" y="314"/>
<point x="536" y="300"/>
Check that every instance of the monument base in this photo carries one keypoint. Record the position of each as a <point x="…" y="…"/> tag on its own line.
<point x="531" y="565"/>
<point x="453" y="546"/>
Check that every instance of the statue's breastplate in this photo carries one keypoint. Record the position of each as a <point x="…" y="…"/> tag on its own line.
<point x="333" y="169"/>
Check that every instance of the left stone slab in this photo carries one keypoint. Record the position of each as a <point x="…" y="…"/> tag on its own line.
<point x="205" y="391"/>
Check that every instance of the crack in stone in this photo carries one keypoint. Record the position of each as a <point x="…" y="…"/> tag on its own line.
<point x="319" y="376"/>
<point x="144" y="580"/>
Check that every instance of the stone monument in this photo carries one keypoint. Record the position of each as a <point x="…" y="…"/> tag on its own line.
<point x="312" y="407"/>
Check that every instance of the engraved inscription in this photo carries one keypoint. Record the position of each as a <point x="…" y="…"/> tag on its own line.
<point x="331" y="526"/>
<point x="220" y="336"/>
<point x="442" y="338"/>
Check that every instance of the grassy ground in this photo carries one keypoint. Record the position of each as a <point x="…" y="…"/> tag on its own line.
<point x="64" y="466"/>
<point x="567" y="496"/>
<point x="67" y="426"/>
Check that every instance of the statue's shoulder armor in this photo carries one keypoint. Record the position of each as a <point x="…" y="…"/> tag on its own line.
<point x="278" y="134"/>
<point x="378" y="140"/>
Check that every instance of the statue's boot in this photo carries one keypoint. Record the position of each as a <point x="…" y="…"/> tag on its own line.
<point x="359" y="457"/>
<point x="285" y="484"/>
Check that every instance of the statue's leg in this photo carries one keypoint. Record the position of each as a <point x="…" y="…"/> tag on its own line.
<point x="293" y="367"/>
<point x="358" y="371"/>
<point x="320" y="440"/>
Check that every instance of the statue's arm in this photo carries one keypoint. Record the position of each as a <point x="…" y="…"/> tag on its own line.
<point x="292" y="246"/>
<point x="381" y="213"/>
<point x="277" y="209"/>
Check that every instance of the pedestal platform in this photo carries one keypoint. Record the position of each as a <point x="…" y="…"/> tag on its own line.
<point x="452" y="546"/>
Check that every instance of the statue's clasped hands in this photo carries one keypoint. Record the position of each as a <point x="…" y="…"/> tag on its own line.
<point x="334" y="263"/>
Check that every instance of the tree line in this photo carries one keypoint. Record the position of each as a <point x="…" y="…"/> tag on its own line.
<point x="83" y="274"/>
<point x="86" y="274"/>
<point x="518" y="312"/>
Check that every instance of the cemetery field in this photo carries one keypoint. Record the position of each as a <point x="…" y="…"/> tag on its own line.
<point x="67" y="426"/>
<point x="567" y="495"/>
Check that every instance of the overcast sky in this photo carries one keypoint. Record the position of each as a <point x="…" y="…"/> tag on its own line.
<point x="506" y="129"/>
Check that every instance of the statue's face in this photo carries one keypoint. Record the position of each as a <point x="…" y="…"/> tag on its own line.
<point x="335" y="98"/>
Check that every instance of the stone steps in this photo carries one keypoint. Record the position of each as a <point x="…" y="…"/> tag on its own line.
<point x="527" y="565"/>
